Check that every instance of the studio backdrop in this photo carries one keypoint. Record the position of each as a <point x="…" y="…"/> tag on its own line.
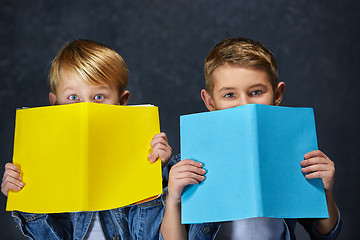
<point x="164" y="43"/>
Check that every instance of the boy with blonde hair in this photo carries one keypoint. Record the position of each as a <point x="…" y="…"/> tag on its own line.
<point x="87" y="71"/>
<point x="241" y="71"/>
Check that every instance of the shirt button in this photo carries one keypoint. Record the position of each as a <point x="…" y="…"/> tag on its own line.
<point x="206" y="230"/>
<point x="116" y="238"/>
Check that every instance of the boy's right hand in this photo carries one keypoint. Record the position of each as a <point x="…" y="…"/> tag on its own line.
<point x="11" y="179"/>
<point x="184" y="173"/>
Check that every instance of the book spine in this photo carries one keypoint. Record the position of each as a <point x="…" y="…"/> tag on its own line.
<point x="84" y="151"/>
<point x="255" y="154"/>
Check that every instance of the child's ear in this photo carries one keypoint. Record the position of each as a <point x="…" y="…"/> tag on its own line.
<point x="124" y="98"/>
<point x="208" y="100"/>
<point x="279" y="93"/>
<point x="52" y="98"/>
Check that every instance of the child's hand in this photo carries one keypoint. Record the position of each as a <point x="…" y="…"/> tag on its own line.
<point x="160" y="149"/>
<point x="184" y="173"/>
<point x="11" y="179"/>
<point x="318" y="165"/>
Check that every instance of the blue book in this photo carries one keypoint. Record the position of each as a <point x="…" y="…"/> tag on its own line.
<point x="252" y="155"/>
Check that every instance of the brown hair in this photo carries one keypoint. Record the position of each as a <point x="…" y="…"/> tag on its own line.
<point x="241" y="52"/>
<point x="94" y="62"/>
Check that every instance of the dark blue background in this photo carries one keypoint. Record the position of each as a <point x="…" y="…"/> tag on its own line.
<point x="164" y="43"/>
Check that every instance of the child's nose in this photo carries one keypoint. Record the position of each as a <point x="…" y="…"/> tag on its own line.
<point x="244" y="100"/>
<point x="86" y="99"/>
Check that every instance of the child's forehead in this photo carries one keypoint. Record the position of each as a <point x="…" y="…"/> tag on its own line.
<point x="67" y="73"/>
<point x="232" y="76"/>
<point x="70" y="78"/>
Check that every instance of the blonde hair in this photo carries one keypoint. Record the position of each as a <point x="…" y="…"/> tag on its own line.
<point x="94" y="62"/>
<point x="240" y="52"/>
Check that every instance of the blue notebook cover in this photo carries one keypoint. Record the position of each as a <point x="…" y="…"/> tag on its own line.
<point x="252" y="155"/>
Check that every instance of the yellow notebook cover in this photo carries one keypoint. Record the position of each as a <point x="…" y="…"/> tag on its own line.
<point x="84" y="157"/>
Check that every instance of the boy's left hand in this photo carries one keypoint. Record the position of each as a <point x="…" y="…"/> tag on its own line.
<point x="318" y="165"/>
<point x="160" y="149"/>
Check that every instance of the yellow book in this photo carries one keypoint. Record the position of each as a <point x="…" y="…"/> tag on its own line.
<point x="84" y="157"/>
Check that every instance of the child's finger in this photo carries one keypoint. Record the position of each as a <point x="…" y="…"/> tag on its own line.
<point x="160" y="151"/>
<point x="312" y="175"/>
<point x="316" y="167"/>
<point x="188" y="169"/>
<point x="322" y="171"/>
<point x="9" y="179"/>
<point x="315" y="153"/>
<point x="161" y="145"/>
<point x="11" y="174"/>
<point x="157" y="141"/>
<point x="182" y="175"/>
<point x="317" y="160"/>
<point x="317" y="174"/>
<point x="188" y="162"/>
<point x="14" y="185"/>
<point x="151" y="156"/>
<point x="12" y="167"/>
<point x="187" y="181"/>
<point x="189" y="175"/>
<point x="320" y="167"/>
<point x="160" y="137"/>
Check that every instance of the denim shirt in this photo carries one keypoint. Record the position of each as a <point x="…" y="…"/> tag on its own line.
<point x="208" y="231"/>
<point x="141" y="221"/>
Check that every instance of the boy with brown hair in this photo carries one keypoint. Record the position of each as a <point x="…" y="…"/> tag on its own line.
<point x="87" y="71"/>
<point x="241" y="71"/>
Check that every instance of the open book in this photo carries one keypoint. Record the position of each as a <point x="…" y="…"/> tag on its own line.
<point x="252" y="155"/>
<point x="84" y="157"/>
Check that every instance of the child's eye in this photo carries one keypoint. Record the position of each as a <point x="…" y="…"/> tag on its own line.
<point x="256" y="92"/>
<point x="229" y="95"/>
<point x="99" y="97"/>
<point x="73" y="97"/>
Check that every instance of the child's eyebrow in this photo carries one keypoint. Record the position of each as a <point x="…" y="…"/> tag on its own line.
<point x="258" y="85"/>
<point x="234" y="88"/>
<point x="102" y="87"/>
<point x="226" y="89"/>
<point x="98" y="88"/>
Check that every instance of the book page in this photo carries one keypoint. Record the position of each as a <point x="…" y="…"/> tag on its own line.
<point x="224" y="142"/>
<point x="119" y="144"/>
<point x="48" y="150"/>
<point x="285" y="136"/>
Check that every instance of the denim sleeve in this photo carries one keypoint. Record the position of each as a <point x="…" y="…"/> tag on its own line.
<point x="309" y="225"/>
<point x="173" y="160"/>
<point x="43" y="226"/>
<point x="145" y="219"/>
<point x="202" y="231"/>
